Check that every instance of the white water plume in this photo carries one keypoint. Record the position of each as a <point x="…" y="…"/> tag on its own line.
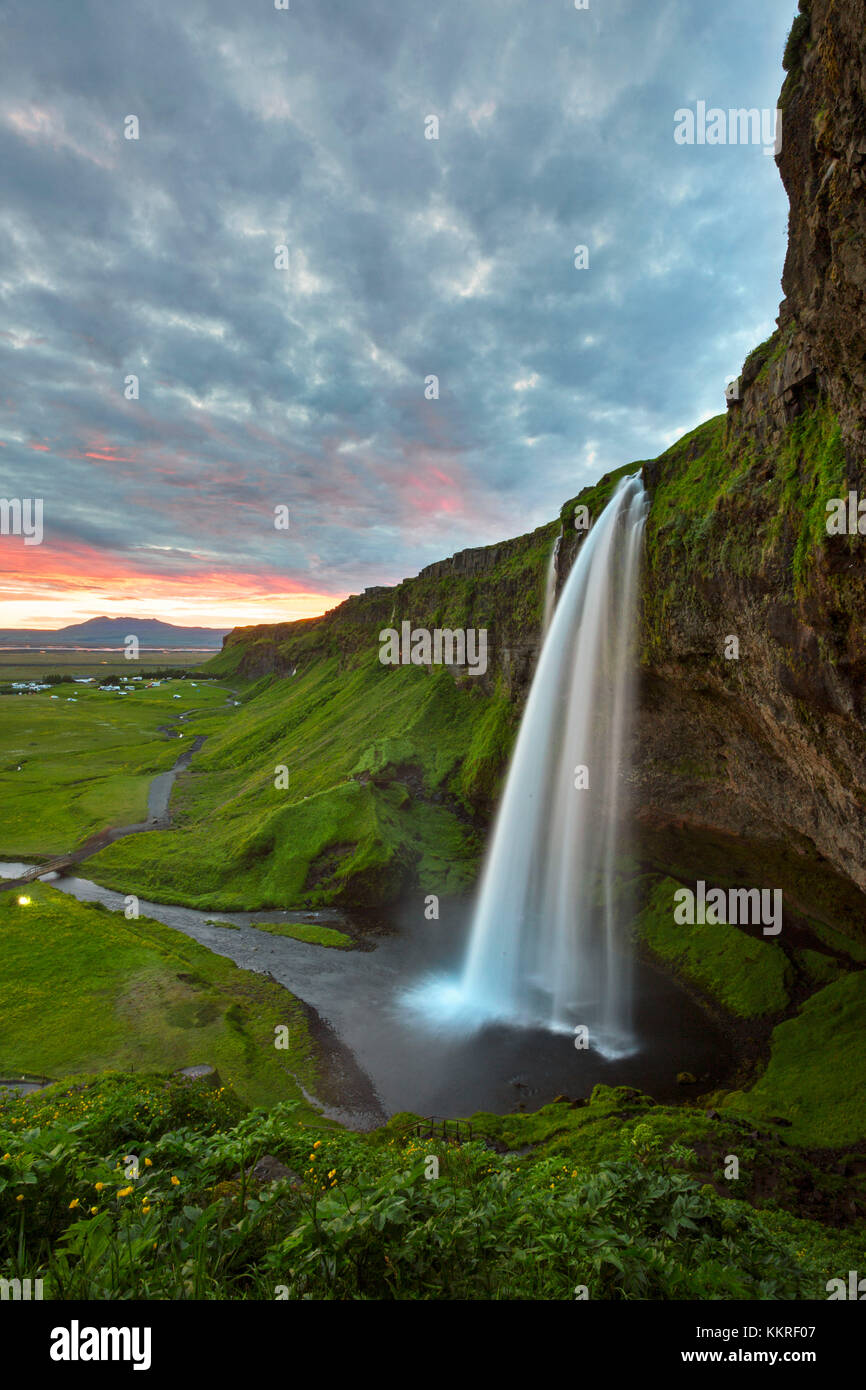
<point x="548" y="945"/>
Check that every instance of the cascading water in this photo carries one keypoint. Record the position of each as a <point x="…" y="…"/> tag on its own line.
<point x="547" y="946"/>
<point x="550" y="586"/>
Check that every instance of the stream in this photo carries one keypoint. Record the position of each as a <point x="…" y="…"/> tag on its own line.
<point x="378" y="1057"/>
<point x="388" y="1062"/>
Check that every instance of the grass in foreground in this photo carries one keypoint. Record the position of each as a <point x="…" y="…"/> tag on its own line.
<point x="377" y="1216"/>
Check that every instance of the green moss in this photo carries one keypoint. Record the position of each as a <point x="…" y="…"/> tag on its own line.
<point x="820" y="968"/>
<point x="722" y="507"/>
<point x="487" y="754"/>
<point x="596" y="497"/>
<point x="811" y="469"/>
<point x="838" y="941"/>
<point x="748" y="976"/>
<point x="799" y="31"/>
<point x="816" y="1076"/>
<point x="613" y="1097"/>
<point x="760" y="356"/>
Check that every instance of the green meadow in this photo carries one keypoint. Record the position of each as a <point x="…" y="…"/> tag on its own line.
<point x="24" y="665"/>
<point x="76" y="764"/>
<point x="83" y="989"/>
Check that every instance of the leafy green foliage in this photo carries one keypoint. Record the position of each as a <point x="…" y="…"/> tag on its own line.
<point x="367" y="1217"/>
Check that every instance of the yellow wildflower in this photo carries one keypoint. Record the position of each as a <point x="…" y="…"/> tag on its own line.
<point x="99" y="1186"/>
<point x="175" y="1182"/>
<point x="148" y="1163"/>
<point x="73" y="1203"/>
<point x="125" y="1191"/>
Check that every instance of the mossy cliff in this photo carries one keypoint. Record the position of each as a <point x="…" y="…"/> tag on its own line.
<point x="753" y="766"/>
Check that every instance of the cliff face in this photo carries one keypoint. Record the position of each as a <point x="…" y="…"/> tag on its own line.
<point x="499" y="588"/>
<point x="750" y="755"/>
<point x="755" y="765"/>
<point x="823" y="167"/>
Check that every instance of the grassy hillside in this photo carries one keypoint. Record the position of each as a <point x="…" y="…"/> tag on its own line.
<point x="385" y="765"/>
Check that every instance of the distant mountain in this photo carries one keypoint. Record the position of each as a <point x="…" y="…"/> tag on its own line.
<point x="110" y="632"/>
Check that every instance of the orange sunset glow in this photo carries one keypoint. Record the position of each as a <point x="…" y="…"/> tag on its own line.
<point x="47" y="589"/>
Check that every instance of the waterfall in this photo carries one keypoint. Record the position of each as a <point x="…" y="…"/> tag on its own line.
<point x="548" y="944"/>
<point x="550" y="585"/>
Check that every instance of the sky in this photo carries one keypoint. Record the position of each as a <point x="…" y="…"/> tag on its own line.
<point x="300" y="378"/>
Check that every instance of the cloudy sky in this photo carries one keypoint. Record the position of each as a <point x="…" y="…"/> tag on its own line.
<point x="408" y="257"/>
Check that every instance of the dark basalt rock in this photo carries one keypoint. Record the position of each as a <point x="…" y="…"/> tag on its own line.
<point x="269" y="1169"/>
